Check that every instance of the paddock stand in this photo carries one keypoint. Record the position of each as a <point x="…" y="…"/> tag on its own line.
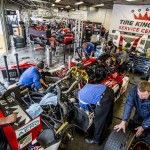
<point x="17" y="62"/>
<point x="49" y="56"/>
<point x="8" y="82"/>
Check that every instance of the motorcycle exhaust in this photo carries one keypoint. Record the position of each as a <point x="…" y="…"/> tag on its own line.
<point x="71" y="87"/>
<point x="62" y="104"/>
<point x="53" y="85"/>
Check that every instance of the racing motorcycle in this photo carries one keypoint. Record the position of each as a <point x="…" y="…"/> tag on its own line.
<point x="45" y="130"/>
<point x="97" y="71"/>
<point x="64" y="36"/>
<point x="83" y="119"/>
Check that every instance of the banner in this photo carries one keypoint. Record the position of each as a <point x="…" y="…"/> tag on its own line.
<point x="131" y="18"/>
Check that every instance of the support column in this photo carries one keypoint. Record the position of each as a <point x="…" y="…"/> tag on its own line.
<point x="3" y="31"/>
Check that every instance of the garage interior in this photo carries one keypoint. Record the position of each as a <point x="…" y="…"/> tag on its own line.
<point x="33" y="31"/>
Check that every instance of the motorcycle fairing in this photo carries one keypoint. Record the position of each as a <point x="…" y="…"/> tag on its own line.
<point x="24" y="130"/>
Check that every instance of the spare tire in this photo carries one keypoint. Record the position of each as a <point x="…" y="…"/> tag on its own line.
<point x="19" y="39"/>
<point x="19" y="45"/>
<point x="119" y="140"/>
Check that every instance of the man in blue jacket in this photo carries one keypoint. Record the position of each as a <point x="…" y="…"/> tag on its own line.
<point x="103" y="98"/>
<point x="139" y="97"/>
<point x="31" y="77"/>
<point x="87" y="48"/>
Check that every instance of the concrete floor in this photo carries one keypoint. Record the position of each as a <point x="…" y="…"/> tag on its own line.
<point x="27" y="54"/>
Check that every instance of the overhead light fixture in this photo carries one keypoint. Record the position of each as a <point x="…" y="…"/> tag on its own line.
<point x="79" y="3"/>
<point x="57" y="1"/>
<point x="130" y="0"/>
<point x="61" y="8"/>
<point x="73" y="9"/>
<point x="53" y="4"/>
<point x="39" y="1"/>
<point x="99" y="5"/>
<point x="68" y="6"/>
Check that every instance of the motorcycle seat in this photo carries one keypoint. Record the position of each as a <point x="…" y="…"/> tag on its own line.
<point x="46" y="138"/>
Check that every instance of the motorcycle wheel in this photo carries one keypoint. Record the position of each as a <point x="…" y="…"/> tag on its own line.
<point x="67" y="135"/>
<point x="140" y="145"/>
<point x="119" y="140"/>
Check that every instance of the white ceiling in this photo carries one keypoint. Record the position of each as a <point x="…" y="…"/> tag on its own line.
<point x="108" y="4"/>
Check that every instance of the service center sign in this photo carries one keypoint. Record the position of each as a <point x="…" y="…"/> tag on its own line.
<point x="131" y="18"/>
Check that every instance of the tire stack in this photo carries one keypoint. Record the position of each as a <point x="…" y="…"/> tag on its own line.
<point x="19" y="41"/>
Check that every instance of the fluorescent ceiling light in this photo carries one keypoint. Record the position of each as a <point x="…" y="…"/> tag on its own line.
<point x="98" y="5"/>
<point x="57" y="1"/>
<point x="79" y="3"/>
<point x="73" y="9"/>
<point x="53" y="4"/>
<point x="130" y="0"/>
<point x="61" y="8"/>
<point x="39" y="1"/>
<point x="68" y="6"/>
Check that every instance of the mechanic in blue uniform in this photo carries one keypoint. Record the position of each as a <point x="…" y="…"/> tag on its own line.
<point x="87" y="48"/>
<point x="31" y="77"/>
<point x="103" y="98"/>
<point x="139" y="97"/>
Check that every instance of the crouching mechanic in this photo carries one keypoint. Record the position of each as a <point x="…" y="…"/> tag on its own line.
<point x="31" y="77"/>
<point x="139" y="97"/>
<point x="87" y="48"/>
<point x="103" y="98"/>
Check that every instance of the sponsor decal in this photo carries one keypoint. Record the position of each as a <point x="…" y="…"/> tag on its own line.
<point x="28" y="127"/>
<point x="25" y="141"/>
<point x="20" y="114"/>
<point x="135" y="19"/>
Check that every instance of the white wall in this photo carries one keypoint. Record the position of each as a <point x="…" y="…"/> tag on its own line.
<point x="76" y="14"/>
<point x="102" y="15"/>
<point x="12" y="6"/>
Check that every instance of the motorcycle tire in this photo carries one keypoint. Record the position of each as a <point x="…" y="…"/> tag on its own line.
<point x="19" y="39"/>
<point x="19" y="45"/>
<point x="119" y="140"/>
<point x="140" y="145"/>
